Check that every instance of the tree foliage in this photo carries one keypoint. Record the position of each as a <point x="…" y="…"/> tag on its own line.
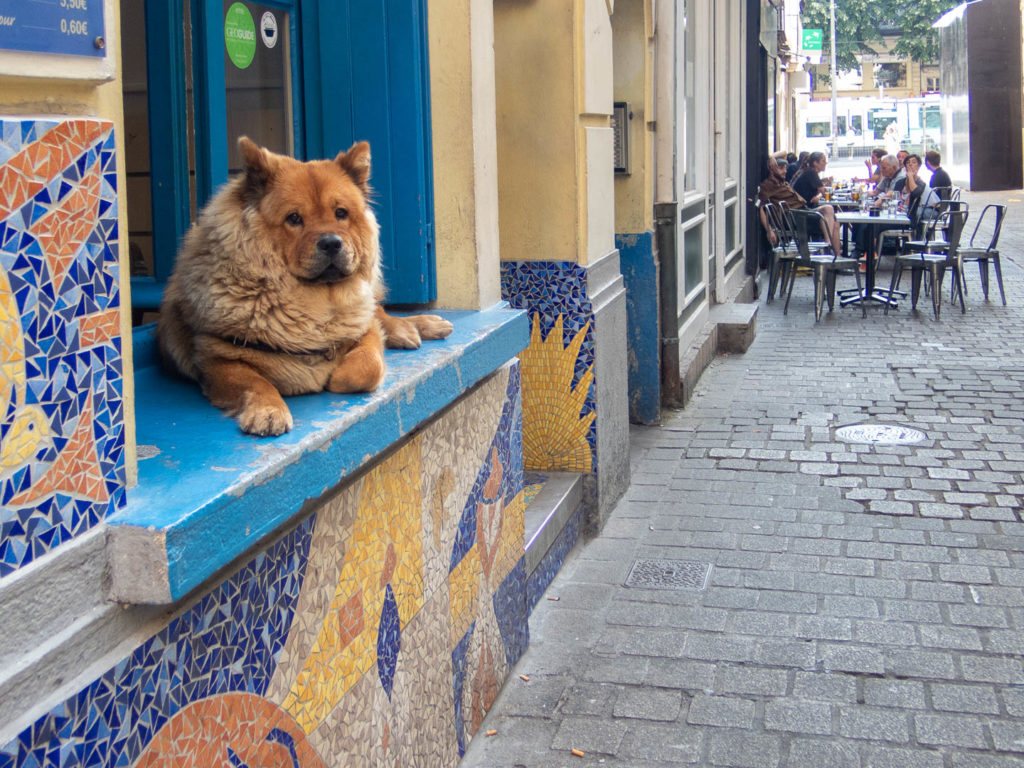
<point x="858" y="23"/>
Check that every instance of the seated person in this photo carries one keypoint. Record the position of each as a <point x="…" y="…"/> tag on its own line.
<point x="776" y="189"/>
<point x="890" y="170"/>
<point x="793" y="165"/>
<point x="874" y="172"/>
<point x="808" y="182"/>
<point x="884" y="190"/>
<point x="940" y="178"/>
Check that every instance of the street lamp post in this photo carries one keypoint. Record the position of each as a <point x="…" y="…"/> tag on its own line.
<point x="835" y="132"/>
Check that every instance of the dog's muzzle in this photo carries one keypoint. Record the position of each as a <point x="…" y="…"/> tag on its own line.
<point x="335" y="257"/>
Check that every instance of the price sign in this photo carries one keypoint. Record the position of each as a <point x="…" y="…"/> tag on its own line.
<point x="71" y="27"/>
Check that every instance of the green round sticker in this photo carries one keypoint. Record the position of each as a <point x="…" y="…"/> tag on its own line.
<point x="239" y="35"/>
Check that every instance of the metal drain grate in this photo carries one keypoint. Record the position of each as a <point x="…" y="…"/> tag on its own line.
<point x="669" y="574"/>
<point x="882" y="434"/>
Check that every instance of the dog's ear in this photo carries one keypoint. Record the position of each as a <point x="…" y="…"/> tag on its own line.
<point x="260" y="166"/>
<point x="356" y="163"/>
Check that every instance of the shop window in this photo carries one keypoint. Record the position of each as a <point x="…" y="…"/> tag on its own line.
<point x="301" y="77"/>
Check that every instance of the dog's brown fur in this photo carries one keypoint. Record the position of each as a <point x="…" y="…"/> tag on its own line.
<point x="276" y="289"/>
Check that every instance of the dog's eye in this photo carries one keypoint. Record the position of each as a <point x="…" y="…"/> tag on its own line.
<point x="294" y="218"/>
<point x="341" y="213"/>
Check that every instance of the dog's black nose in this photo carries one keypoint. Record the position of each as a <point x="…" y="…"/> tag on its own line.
<point x="329" y="244"/>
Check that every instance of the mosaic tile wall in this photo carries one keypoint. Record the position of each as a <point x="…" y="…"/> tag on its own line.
<point x="61" y="420"/>
<point x="376" y="632"/>
<point x="559" y="407"/>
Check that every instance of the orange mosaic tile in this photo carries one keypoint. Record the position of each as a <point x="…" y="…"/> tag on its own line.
<point x="350" y="619"/>
<point x="227" y="730"/>
<point x="27" y="172"/>
<point x="76" y="470"/>
<point x="62" y="231"/>
<point x="99" y="328"/>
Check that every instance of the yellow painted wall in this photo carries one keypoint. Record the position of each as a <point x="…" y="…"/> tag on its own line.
<point x="535" y="52"/>
<point x="464" y="153"/>
<point x="633" y="66"/>
<point x="21" y="95"/>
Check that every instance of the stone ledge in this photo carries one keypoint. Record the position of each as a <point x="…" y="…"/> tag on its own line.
<point x="549" y="513"/>
<point x="209" y="493"/>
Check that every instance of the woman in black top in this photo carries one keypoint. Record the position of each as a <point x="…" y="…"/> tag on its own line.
<point x="807" y="181"/>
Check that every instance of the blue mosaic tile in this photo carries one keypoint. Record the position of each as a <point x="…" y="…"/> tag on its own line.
<point x="458" y="681"/>
<point x="508" y="441"/>
<point x="389" y="641"/>
<point x="510" y="610"/>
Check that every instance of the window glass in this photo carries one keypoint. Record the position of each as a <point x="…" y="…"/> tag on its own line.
<point x="730" y="228"/>
<point x="891" y="75"/>
<point x="693" y="260"/>
<point x="257" y="76"/>
<point x="136" y="128"/>
<point x="817" y="130"/>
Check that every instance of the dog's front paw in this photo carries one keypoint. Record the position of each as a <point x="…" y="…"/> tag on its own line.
<point x="432" y="326"/>
<point x="361" y="370"/>
<point x="265" y="419"/>
<point x="401" y="334"/>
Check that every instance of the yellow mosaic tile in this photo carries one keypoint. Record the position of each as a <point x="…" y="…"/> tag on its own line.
<point x="511" y="545"/>
<point x="384" y="548"/>
<point x="463" y="588"/>
<point x="554" y="435"/>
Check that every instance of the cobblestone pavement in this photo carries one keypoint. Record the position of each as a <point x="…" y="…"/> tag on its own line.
<point x="864" y="604"/>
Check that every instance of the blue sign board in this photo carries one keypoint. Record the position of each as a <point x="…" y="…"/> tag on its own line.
<point x="73" y="27"/>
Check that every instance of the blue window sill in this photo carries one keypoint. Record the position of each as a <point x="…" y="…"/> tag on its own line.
<point x="210" y="492"/>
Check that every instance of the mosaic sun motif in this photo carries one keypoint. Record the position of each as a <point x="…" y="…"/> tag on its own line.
<point x="555" y="434"/>
<point x="61" y="419"/>
<point x="555" y="293"/>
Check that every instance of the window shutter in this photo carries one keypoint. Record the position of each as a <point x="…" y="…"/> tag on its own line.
<point x="370" y="57"/>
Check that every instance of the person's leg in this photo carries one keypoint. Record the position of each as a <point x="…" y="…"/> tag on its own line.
<point x="830" y="226"/>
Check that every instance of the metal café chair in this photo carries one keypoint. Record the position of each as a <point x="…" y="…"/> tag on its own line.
<point x="935" y="259"/>
<point x="824" y="265"/>
<point x="983" y="255"/>
<point x="783" y="250"/>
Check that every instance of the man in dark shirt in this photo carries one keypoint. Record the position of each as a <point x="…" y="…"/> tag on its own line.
<point x="776" y="189"/>
<point x="940" y="179"/>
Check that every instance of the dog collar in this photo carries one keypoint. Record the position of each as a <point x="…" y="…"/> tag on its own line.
<point x="328" y="353"/>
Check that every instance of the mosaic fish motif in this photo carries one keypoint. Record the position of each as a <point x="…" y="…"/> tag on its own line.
<point x="28" y="424"/>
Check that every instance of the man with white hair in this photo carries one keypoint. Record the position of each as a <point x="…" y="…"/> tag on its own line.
<point x="891" y="173"/>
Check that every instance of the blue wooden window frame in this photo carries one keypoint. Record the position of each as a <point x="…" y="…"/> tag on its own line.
<point x="359" y="71"/>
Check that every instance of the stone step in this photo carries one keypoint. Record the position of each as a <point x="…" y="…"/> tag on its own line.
<point x="552" y="524"/>
<point x="737" y="326"/>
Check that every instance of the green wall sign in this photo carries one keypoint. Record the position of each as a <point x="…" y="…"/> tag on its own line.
<point x="239" y="35"/>
<point x="810" y="40"/>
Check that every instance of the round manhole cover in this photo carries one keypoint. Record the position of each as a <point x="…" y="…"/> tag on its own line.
<point x="886" y="434"/>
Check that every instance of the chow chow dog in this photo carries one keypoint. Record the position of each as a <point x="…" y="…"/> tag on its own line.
<point x="277" y="289"/>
